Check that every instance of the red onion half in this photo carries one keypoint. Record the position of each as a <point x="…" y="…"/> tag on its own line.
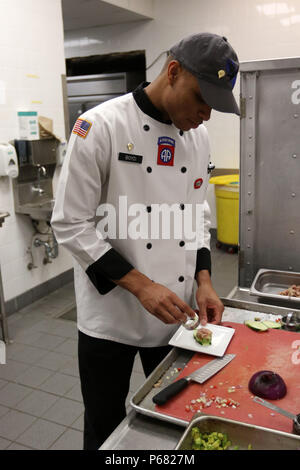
<point x="267" y="384"/>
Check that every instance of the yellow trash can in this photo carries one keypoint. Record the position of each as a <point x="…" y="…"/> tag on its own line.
<point x="227" y="204"/>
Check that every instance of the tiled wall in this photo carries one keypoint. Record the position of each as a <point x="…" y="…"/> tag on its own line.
<point x="31" y="65"/>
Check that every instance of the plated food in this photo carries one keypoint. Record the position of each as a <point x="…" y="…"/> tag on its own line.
<point x="218" y="339"/>
<point x="203" y="336"/>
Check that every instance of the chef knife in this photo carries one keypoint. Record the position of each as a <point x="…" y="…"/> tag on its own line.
<point x="200" y="375"/>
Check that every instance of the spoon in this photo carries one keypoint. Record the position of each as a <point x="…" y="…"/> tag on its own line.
<point x="287" y="414"/>
<point x="192" y="323"/>
<point x="288" y="318"/>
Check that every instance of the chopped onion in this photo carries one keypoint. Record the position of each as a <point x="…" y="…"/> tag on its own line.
<point x="267" y="384"/>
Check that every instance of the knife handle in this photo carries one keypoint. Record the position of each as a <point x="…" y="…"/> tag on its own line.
<point x="162" y="397"/>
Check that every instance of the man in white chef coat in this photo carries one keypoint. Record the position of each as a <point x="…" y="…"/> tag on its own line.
<point x="130" y="160"/>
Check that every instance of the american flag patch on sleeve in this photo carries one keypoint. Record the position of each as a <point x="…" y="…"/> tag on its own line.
<point x="82" y="128"/>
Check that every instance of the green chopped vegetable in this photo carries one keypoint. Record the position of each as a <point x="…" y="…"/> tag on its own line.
<point x="209" y="441"/>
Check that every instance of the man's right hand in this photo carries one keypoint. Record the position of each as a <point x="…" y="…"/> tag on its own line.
<point x="156" y="298"/>
<point x="164" y="304"/>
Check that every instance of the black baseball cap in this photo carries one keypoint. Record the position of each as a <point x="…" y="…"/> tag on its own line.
<point x="215" y="64"/>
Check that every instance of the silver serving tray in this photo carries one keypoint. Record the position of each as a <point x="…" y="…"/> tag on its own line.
<point x="141" y="400"/>
<point x="268" y="283"/>
<point x="240" y="434"/>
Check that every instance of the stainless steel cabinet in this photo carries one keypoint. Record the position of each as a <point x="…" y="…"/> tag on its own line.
<point x="269" y="167"/>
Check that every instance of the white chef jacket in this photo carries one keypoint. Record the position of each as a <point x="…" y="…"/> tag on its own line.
<point x="101" y="165"/>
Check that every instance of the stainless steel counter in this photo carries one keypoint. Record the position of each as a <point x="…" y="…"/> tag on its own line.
<point x="140" y="432"/>
<point x="3" y="319"/>
<point x="263" y="304"/>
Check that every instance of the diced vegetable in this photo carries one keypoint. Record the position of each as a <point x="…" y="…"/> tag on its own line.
<point x="212" y="441"/>
<point x="209" y="441"/>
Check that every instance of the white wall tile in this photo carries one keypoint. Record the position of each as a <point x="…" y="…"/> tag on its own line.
<point x="31" y="45"/>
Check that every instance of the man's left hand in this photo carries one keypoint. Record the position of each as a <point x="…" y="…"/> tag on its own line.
<point x="210" y="306"/>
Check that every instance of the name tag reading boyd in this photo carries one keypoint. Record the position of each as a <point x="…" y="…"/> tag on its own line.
<point x="131" y="158"/>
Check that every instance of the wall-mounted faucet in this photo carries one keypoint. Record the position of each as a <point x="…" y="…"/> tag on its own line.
<point x="41" y="171"/>
<point x="50" y="245"/>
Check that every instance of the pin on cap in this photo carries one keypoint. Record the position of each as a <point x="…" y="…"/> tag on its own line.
<point x="214" y="62"/>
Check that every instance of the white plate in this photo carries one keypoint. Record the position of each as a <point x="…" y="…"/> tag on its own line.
<point x="221" y="336"/>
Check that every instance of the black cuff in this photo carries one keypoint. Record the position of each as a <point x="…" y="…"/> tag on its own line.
<point x="203" y="260"/>
<point x="110" y="266"/>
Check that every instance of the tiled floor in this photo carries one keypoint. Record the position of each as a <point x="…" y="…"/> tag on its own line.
<point x="40" y="398"/>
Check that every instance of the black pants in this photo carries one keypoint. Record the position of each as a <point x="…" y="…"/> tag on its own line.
<point x="105" y="368"/>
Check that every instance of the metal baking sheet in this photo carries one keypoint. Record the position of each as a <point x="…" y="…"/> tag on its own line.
<point x="240" y="434"/>
<point x="164" y="374"/>
<point x="268" y="283"/>
<point x="235" y="310"/>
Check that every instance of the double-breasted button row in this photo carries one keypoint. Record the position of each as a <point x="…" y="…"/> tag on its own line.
<point x="146" y="128"/>
<point x="149" y="245"/>
<point x="149" y="208"/>
<point x="183" y="169"/>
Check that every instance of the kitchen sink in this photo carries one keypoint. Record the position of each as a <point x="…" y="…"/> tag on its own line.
<point x="40" y="210"/>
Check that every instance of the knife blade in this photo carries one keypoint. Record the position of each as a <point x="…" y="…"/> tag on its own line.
<point x="200" y="375"/>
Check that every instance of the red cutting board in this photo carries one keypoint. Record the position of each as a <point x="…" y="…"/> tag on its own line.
<point x="274" y="350"/>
